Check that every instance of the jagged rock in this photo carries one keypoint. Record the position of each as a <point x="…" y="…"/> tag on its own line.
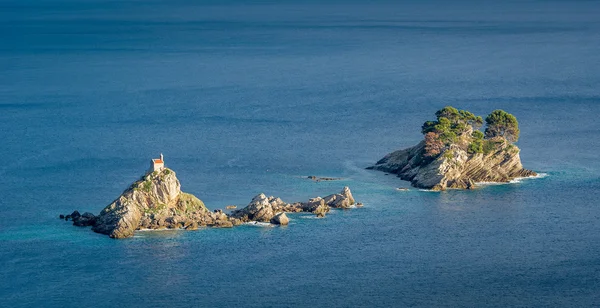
<point x="75" y="214"/>
<point x="261" y="209"/>
<point x="316" y="206"/>
<point x="223" y="224"/>
<point x="454" y="168"/>
<point x="192" y="226"/>
<point x="149" y="203"/>
<point x="61" y="216"/>
<point x="342" y="200"/>
<point x="87" y="219"/>
<point x="235" y="221"/>
<point x="280" y="219"/>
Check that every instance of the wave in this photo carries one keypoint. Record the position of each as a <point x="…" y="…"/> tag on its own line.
<point x="309" y="217"/>
<point x="258" y="224"/>
<point x="538" y="176"/>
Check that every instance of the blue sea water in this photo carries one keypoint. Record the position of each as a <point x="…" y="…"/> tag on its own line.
<point x="247" y="97"/>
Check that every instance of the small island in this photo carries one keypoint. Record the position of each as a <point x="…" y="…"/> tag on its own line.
<point x="156" y="202"/>
<point x="456" y="154"/>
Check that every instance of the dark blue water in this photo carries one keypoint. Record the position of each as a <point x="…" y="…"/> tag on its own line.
<point x="246" y="98"/>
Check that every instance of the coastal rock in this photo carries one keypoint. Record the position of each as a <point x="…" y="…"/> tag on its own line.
<point x="87" y="219"/>
<point x="342" y="200"/>
<point x="259" y="209"/>
<point x="455" y="167"/>
<point x="75" y="214"/>
<point x="280" y="219"/>
<point x="263" y="208"/>
<point x="192" y="226"/>
<point x="154" y="202"/>
<point x="316" y="206"/>
<point x="456" y="154"/>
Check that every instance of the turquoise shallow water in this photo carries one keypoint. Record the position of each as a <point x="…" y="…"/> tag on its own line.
<point x="248" y="98"/>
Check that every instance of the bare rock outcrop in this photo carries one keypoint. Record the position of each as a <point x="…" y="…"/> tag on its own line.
<point x="263" y="208"/>
<point x="153" y="202"/>
<point x="342" y="200"/>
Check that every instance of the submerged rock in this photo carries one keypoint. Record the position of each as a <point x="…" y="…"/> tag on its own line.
<point x="319" y="179"/>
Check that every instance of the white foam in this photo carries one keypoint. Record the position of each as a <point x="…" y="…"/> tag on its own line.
<point x="258" y="224"/>
<point x="514" y="181"/>
<point x="158" y="230"/>
<point x="309" y="217"/>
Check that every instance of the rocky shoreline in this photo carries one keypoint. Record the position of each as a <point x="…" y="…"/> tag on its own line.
<point x="156" y="202"/>
<point x="459" y="171"/>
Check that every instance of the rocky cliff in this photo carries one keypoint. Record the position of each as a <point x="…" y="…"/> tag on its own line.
<point x="154" y="202"/>
<point x="455" y="167"/>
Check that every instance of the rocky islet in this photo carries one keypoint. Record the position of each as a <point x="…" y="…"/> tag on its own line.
<point x="455" y="154"/>
<point x="156" y="202"/>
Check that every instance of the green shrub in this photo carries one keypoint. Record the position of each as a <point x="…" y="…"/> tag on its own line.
<point x="451" y="120"/>
<point x="449" y="154"/>
<point x="477" y="134"/>
<point x="147" y="186"/>
<point x="475" y="147"/>
<point x="502" y="124"/>
<point x="448" y="137"/>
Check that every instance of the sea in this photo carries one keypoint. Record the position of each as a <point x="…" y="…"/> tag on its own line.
<point x="249" y="97"/>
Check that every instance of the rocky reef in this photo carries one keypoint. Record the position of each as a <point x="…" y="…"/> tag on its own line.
<point x="455" y="154"/>
<point x="156" y="202"/>
<point x="264" y="209"/>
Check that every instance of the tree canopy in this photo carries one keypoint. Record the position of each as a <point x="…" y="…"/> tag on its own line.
<point x="502" y="124"/>
<point x="452" y="123"/>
